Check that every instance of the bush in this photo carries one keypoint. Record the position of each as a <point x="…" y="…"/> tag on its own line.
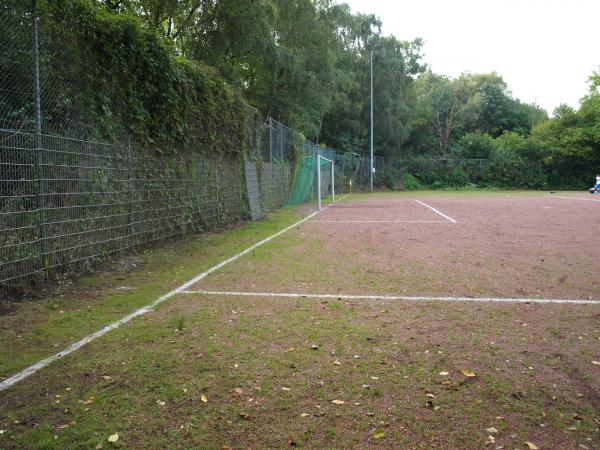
<point x="411" y="183"/>
<point x="390" y="178"/>
<point x="438" y="185"/>
<point x="458" y="177"/>
<point x="129" y="82"/>
<point x="475" y="146"/>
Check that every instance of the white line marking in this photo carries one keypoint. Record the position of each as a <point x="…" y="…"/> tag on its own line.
<point x="378" y="221"/>
<point x="435" y="210"/>
<point x="5" y="384"/>
<point x="576" y="198"/>
<point x="395" y="297"/>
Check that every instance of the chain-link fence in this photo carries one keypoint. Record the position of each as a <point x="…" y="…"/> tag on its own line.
<point x="68" y="200"/>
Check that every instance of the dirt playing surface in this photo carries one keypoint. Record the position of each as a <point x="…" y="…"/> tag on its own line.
<point x="531" y="247"/>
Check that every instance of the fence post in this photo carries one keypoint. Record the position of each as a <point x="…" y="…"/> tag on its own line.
<point x="129" y="190"/>
<point x="270" y="139"/>
<point x="281" y="142"/>
<point x="38" y="144"/>
<point x="218" y="197"/>
<point x="319" y="181"/>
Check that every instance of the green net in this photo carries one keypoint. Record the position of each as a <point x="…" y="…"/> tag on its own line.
<point x="306" y="170"/>
<point x="304" y="185"/>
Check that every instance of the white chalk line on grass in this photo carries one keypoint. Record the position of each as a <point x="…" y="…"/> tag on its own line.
<point x="576" y="198"/>
<point x="5" y="384"/>
<point x="393" y="297"/>
<point x="435" y="210"/>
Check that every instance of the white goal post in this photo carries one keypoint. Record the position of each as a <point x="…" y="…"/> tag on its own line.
<point x="319" y="158"/>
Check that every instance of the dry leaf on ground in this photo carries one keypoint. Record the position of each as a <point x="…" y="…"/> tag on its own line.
<point x="531" y="445"/>
<point x="113" y="437"/>
<point x="468" y="373"/>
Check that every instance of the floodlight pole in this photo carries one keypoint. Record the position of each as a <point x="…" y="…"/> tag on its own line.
<point x="371" y="168"/>
<point x="319" y="181"/>
<point x="332" y="185"/>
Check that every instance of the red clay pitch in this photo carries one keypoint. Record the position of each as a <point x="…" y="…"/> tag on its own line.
<point x="501" y="246"/>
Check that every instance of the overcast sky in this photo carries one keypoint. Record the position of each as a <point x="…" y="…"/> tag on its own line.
<point x="544" y="49"/>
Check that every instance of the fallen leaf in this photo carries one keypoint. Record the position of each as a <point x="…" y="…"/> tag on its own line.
<point x="374" y="378"/>
<point x="436" y="407"/>
<point x="203" y="398"/>
<point x="98" y="447"/>
<point x="239" y="391"/>
<point x="285" y="389"/>
<point x="531" y="445"/>
<point x="160" y="402"/>
<point x="443" y="373"/>
<point x="113" y="438"/>
<point x="244" y="416"/>
<point x="291" y="349"/>
<point x="88" y="401"/>
<point x="106" y="377"/>
<point x="468" y="373"/>
<point x="430" y="395"/>
<point x="596" y="363"/>
<point x="338" y="402"/>
<point x="337" y="362"/>
<point x="304" y="415"/>
<point x="379" y="435"/>
<point x="491" y="430"/>
<point x="314" y="347"/>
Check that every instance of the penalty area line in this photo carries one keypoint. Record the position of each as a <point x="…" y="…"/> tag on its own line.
<point x="575" y="198"/>
<point x="5" y="384"/>
<point x="435" y="210"/>
<point x="378" y="221"/>
<point x="392" y="297"/>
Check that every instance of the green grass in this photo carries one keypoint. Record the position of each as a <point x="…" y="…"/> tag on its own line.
<point x="264" y="348"/>
<point x="36" y="329"/>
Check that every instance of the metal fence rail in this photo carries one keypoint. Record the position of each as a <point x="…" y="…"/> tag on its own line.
<point x="67" y="199"/>
<point x="70" y="200"/>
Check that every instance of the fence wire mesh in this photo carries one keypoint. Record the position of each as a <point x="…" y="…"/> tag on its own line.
<point x="68" y="198"/>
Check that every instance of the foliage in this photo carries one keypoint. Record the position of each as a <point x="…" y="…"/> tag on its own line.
<point x="411" y="183"/>
<point x="132" y="83"/>
<point x="475" y="145"/>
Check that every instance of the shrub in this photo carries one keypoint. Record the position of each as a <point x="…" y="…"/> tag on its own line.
<point x="411" y="183"/>
<point x="458" y="177"/>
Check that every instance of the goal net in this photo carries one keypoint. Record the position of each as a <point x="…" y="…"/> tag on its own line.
<point x="314" y="180"/>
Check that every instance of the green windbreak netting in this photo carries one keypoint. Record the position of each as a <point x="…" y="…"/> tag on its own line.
<point x="306" y="170"/>
<point x="304" y="187"/>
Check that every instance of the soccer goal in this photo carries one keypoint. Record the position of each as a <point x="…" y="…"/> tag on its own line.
<point x="314" y="176"/>
<point x="325" y="180"/>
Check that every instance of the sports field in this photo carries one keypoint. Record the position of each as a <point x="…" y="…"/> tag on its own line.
<point x="396" y="320"/>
